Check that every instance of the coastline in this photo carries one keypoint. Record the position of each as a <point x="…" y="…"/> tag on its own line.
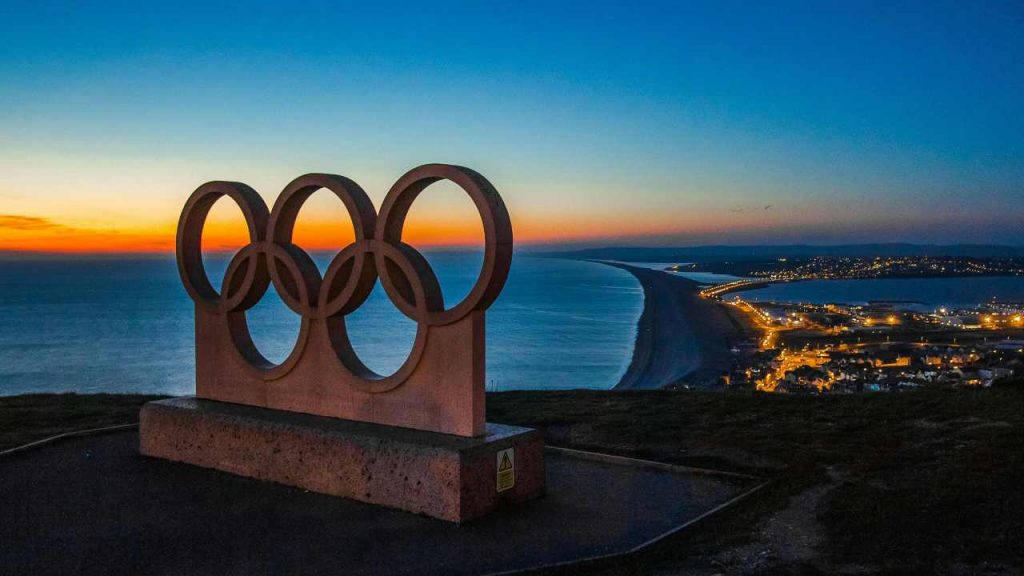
<point x="680" y="336"/>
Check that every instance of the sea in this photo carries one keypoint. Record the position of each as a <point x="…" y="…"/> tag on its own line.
<point x="125" y="325"/>
<point x="922" y="294"/>
<point x="119" y="325"/>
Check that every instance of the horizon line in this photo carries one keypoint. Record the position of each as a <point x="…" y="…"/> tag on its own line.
<point x="552" y="246"/>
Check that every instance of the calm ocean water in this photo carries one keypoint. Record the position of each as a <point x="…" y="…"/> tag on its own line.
<point x="107" y="325"/>
<point x="929" y="293"/>
<point x="918" y="293"/>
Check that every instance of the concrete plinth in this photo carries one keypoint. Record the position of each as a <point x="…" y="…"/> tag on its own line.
<point x="448" y="477"/>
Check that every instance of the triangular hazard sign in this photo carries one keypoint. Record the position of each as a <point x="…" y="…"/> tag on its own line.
<point x="506" y="463"/>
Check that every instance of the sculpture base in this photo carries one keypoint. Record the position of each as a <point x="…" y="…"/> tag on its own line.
<point x="448" y="477"/>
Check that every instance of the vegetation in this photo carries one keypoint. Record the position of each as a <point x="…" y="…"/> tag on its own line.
<point x="924" y="481"/>
<point x="32" y="417"/>
<point x="911" y="482"/>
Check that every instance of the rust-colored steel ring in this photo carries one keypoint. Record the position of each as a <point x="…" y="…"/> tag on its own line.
<point x="190" y="254"/>
<point x="497" y="238"/>
<point x="423" y="290"/>
<point x="304" y="281"/>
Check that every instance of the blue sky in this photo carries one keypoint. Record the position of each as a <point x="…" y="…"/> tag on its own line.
<point x="649" y="123"/>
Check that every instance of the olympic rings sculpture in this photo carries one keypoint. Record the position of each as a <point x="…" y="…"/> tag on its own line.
<point x="322" y="302"/>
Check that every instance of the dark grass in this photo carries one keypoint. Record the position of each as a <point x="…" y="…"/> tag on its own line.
<point x="32" y="417"/>
<point x="928" y="481"/>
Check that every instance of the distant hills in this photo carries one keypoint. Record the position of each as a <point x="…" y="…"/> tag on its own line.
<point x="743" y="253"/>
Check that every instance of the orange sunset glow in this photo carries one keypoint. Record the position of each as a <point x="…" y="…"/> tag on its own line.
<point x="324" y="226"/>
<point x="222" y="235"/>
<point x="442" y="218"/>
<point x="225" y="231"/>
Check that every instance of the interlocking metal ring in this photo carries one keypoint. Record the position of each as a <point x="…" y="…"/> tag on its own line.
<point x="377" y="252"/>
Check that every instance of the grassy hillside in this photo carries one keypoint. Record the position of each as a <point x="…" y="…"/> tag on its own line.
<point x="925" y="481"/>
<point x="32" y="417"/>
<point x="919" y="482"/>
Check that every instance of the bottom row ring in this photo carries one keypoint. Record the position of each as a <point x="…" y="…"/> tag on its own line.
<point x="332" y="334"/>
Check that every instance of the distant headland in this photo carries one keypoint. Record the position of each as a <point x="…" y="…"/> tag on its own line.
<point x="717" y="253"/>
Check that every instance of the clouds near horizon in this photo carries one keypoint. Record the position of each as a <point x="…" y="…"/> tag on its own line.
<point x="20" y="222"/>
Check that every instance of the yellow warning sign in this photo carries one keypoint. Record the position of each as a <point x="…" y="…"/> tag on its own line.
<point x="506" y="469"/>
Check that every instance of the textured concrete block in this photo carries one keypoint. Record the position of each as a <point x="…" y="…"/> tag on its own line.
<point x="444" y="476"/>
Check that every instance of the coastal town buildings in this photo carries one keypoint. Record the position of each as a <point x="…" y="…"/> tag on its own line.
<point x="879" y="347"/>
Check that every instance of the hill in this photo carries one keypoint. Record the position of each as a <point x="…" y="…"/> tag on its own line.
<point x="718" y="253"/>
<point x="916" y="482"/>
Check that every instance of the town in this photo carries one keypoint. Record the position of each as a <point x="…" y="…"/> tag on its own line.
<point x="878" y="347"/>
<point x="848" y="267"/>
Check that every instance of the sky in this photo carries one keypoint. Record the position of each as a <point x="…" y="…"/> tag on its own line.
<point x="627" y="123"/>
